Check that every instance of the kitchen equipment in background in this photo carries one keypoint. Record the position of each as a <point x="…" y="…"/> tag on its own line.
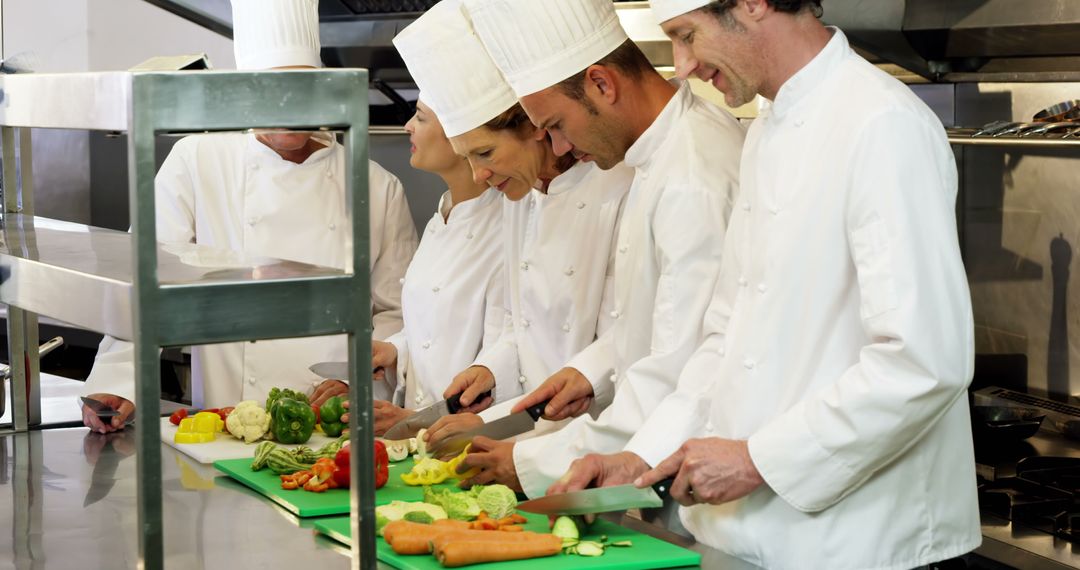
<point x="600" y="500"/>
<point x="425" y="417"/>
<point x="5" y="370"/>
<point x="1004" y="423"/>
<point x="502" y="428"/>
<point x="1058" y="414"/>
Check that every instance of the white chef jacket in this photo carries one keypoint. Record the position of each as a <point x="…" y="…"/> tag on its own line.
<point x="840" y="339"/>
<point x="668" y="256"/>
<point x="230" y="191"/>
<point x="559" y="266"/>
<point x="451" y="296"/>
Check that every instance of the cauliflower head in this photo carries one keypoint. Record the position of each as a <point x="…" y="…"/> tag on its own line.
<point x="248" y="421"/>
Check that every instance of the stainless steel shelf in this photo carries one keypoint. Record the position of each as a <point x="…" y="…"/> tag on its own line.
<point x="963" y="136"/>
<point x="82" y="275"/>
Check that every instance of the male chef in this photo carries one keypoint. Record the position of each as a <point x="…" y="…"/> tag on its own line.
<point x="578" y="76"/>
<point x="278" y="195"/>
<point x="823" y="422"/>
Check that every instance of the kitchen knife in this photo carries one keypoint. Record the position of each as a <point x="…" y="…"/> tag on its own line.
<point x="99" y="408"/>
<point x="425" y="417"/>
<point x="502" y="428"/>
<point x="600" y="500"/>
<point x="331" y="370"/>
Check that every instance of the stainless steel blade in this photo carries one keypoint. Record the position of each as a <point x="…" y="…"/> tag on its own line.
<point x="603" y="500"/>
<point x="502" y="428"/>
<point x="423" y="418"/>
<point x="99" y="408"/>
<point x="331" y="370"/>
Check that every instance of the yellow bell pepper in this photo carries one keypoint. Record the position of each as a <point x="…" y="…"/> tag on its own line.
<point x="429" y="471"/>
<point x="200" y="428"/>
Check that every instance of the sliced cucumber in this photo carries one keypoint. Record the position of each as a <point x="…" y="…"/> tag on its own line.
<point x="565" y="528"/>
<point x="590" y="548"/>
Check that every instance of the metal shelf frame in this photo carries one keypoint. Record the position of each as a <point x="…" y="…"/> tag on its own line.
<point x="293" y="301"/>
<point x="966" y="137"/>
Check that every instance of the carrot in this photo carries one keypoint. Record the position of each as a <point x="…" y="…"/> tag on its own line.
<point x="518" y="519"/>
<point x="461" y="552"/>
<point x="505" y="521"/>
<point x="415" y="538"/>
<point x="512" y="528"/>
<point x="452" y="523"/>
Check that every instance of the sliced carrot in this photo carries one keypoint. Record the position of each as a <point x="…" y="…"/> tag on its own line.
<point x="452" y="523"/>
<point x="518" y="519"/>
<point x="505" y="521"/>
<point x="462" y="552"/>
<point x="512" y="528"/>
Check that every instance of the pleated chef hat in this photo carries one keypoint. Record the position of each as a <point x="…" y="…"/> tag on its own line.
<point x="664" y="10"/>
<point x="454" y="72"/>
<point x="538" y="43"/>
<point x="275" y="33"/>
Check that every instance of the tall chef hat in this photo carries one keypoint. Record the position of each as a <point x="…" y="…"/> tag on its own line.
<point x="664" y="10"/>
<point x="454" y="72"/>
<point x="538" y="43"/>
<point x="275" y="33"/>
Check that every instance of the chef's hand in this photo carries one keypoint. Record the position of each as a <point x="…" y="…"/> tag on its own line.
<point x="383" y="356"/>
<point x="470" y="383"/>
<point x="387" y="414"/>
<point x="495" y="459"/>
<point x="710" y="470"/>
<point x="328" y="389"/>
<point x="449" y="426"/>
<point x="595" y="470"/>
<point x="570" y="393"/>
<point x="92" y="421"/>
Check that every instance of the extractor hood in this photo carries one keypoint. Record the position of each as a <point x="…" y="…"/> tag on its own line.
<point x="967" y="40"/>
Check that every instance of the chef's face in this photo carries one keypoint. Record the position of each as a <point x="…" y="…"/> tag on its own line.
<point x="509" y="160"/>
<point x="720" y="50"/>
<point x="431" y="151"/>
<point x="282" y="141"/>
<point x="586" y="128"/>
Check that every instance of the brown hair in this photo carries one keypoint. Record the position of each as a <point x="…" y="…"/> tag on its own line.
<point x="515" y="119"/>
<point x="627" y="58"/>
<point x="720" y="8"/>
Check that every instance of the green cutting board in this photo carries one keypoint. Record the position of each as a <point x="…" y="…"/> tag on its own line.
<point x="646" y="553"/>
<point x="331" y="502"/>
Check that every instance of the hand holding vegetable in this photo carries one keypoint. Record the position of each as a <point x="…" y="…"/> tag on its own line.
<point x="495" y="459"/>
<point x="569" y="392"/>
<point x="470" y="383"/>
<point x="328" y="389"/>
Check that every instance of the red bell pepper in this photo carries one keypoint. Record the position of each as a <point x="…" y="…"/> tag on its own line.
<point x="382" y="466"/>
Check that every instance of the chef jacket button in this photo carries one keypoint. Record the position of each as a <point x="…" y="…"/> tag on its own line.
<point x="418" y="399"/>
<point x="623" y="248"/>
<point x="799" y="122"/>
<point x="333" y="226"/>
<point x="746" y="206"/>
<point x="251" y="380"/>
<point x="742" y="281"/>
<point x="566" y="327"/>
<point x="525" y="323"/>
<point x="522" y="379"/>
<point x="615" y="314"/>
<point x="435" y="289"/>
<point x="427" y="344"/>
<point x="329" y="174"/>
<point x="254" y="166"/>
<point x="614" y="377"/>
<point x="580" y="205"/>
<point x="762" y="288"/>
<point x="524" y="265"/>
<point x="748" y="364"/>
<point x="468" y="236"/>
<point x="401" y="281"/>
<point x="774" y="210"/>
<point x="251" y="220"/>
<point x="721" y="350"/>
<point x="568" y="271"/>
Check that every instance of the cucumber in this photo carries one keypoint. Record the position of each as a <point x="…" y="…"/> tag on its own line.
<point x="566" y="529"/>
<point x="590" y="548"/>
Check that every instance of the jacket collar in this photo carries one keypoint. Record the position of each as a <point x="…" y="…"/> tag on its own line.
<point x="644" y="148"/>
<point x="467" y="209"/>
<point x="265" y="153"/>
<point x="806" y="80"/>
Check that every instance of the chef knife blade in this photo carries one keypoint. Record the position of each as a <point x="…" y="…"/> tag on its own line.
<point x="99" y="408"/>
<point x="502" y="428"/>
<point x="600" y="500"/>
<point x="331" y="370"/>
<point x="425" y="417"/>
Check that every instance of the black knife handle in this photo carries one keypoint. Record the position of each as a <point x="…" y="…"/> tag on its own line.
<point x="453" y="403"/>
<point x="663" y="487"/>
<point x="538" y="410"/>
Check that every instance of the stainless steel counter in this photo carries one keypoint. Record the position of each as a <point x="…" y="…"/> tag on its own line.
<point x="68" y="498"/>
<point x="60" y="402"/>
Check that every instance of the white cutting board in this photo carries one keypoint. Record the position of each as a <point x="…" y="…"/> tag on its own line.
<point x="225" y="446"/>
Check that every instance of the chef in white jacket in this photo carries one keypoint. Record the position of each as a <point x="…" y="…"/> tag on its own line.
<point x="578" y="76"/>
<point x="276" y="195"/>
<point x="823" y="422"/>
<point x="559" y="218"/>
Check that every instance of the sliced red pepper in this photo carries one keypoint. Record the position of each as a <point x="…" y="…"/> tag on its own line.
<point x="178" y="415"/>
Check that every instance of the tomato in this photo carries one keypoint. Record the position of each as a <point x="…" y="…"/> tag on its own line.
<point x="224" y="412"/>
<point x="178" y="415"/>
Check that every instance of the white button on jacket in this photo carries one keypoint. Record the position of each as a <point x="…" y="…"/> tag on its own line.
<point x="686" y="177"/>
<point x="554" y="235"/>
<point x="204" y="195"/>
<point x="453" y="321"/>
<point x="856" y="410"/>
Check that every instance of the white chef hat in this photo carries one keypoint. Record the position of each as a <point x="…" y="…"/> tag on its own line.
<point x="454" y="72"/>
<point x="538" y="43"/>
<point x="664" y="10"/>
<point x="275" y="33"/>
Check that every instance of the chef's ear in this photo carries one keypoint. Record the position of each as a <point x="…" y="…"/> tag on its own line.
<point x="600" y="80"/>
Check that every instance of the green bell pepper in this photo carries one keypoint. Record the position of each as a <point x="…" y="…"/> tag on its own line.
<point x="330" y="416"/>
<point x="291" y="421"/>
